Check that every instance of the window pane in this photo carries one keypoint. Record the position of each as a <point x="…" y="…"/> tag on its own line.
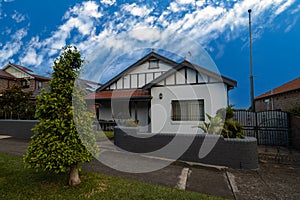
<point x="153" y="64"/>
<point x="188" y="110"/>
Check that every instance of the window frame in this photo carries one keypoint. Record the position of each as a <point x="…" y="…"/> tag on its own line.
<point x="25" y="83"/>
<point x="186" y="106"/>
<point x="39" y="84"/>
<point x="154" y="62"/>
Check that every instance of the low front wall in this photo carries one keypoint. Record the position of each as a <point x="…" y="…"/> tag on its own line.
<point x="17" y="128"/>
<point x="234" y="153"/>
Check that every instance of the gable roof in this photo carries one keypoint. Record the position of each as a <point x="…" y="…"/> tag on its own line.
<point x="177" y="66"/>
<point x="25" y="70"/>
<point x="4" y="74"/>
<point x="135" y="65"/>
<point x="22" y="68"/>
<point x="287" y="87"/>
<point x="231" y="83"/>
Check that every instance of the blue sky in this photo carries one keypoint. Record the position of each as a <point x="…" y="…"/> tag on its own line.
<point x="33" y="32"/>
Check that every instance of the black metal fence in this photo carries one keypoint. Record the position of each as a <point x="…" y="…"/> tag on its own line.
<point x="105" y="125"/>
<point x="269" y="127"/>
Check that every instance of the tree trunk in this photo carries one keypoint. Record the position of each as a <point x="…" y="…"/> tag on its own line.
<point x="74" y="176"/>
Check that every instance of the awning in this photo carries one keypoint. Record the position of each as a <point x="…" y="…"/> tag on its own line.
<point x="119" y="94"/>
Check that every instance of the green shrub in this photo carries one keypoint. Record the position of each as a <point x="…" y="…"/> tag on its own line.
<point x="222" y="121"/>
<point x="131" y="123"/>
<point x="214" y="126"/>
<point x="16" y="104"/>
<point x="295" y="110"/>
<point x="226" y="112"/>
<point x="232" y="129"/>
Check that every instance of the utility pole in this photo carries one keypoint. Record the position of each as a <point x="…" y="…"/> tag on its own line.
<point x="251" y="67"/>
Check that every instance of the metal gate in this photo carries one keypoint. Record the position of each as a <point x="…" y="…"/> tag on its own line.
<point x="269" y="127"/>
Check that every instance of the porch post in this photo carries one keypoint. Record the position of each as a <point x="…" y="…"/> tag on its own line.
<point x="135" y="111"/>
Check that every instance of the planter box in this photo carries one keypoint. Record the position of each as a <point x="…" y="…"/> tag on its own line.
<point x="230" y="152"/>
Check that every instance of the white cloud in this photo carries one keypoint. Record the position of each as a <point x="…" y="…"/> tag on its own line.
<point x="296" y="10"/>
<point x="108" y="2"/>
<point x="136" y="10"/>
<point x="174" y="7"/>
<point x="186" y="1"/>
<point x="81" y="17"/>
<point x="31" y="58"/>
<point x="18" y="17"/>
<point x="11" y="47"/>
<point x="200" y="3"/>
<point x="182" y="5"/>
<point x="103" y="35"/>
<point x="284" y="6"/>
<point x="145" y="34"/>
<point x="86" y="9"/>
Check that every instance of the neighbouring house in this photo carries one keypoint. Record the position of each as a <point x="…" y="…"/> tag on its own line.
<point x="89" y="86"/>
<point x="13" y="74"/>
<point x="281" y="98"/>
<point x="161" y="95"/>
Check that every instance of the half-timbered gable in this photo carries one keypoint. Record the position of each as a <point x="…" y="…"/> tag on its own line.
<point x="162" y="96"/>
<point x="140" y="73"/>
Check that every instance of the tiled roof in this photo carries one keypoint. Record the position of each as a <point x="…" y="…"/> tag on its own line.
<point x="292" y="85"/>
<point x="5" y="74"/>
<point x="40" y="77"/>
<point x="115" y="94"/>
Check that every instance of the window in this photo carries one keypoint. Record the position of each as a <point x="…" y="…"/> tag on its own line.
<point x="40" y="85"/>
<point x="153" y="63"/>
<point x="25" y="83"/>
<point x="188" y="110"/>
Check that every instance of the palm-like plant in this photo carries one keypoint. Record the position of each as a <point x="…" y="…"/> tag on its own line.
<point x="215" y="125"/>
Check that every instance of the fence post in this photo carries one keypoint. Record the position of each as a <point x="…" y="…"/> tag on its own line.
<point x="256" y="128"/>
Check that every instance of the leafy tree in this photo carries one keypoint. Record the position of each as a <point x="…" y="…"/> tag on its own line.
<point x="16" y="104"/>
<point x="63" y="138"/>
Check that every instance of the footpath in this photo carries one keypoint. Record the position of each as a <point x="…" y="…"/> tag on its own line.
<point x="272" y="180"/>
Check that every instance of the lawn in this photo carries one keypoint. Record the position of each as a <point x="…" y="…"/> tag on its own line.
<point x="19" y="183"/>
<point x="102" y="134"/>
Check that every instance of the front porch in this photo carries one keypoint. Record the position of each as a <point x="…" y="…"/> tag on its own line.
<point x="121" y="107"/>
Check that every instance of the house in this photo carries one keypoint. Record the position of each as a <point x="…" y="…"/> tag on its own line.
<point x="162" y="95"/>
<point x="89" y="86"/>
<point x="13" y="74"/>
<point x="281" y="98"/>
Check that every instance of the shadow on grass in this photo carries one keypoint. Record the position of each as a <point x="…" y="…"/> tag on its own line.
<point x="19" y="183"/>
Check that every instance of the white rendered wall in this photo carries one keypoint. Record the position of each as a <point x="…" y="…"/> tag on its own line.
<point x="214" y="95"/>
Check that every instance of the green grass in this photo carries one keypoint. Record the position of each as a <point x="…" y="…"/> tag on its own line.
<point x="19" y="183"/>
<point x="108" y="134"/>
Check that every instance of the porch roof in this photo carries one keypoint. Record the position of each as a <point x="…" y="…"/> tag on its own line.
<point x="119" y="94"/>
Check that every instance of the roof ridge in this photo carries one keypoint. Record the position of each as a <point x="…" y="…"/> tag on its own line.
<point x="286" y="87"/>
<point x="21" y="67"/>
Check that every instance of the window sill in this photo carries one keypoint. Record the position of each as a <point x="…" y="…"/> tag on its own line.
<point x="185" y="122"/>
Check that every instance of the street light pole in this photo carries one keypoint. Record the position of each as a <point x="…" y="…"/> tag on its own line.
<point x="251" y="67"/>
